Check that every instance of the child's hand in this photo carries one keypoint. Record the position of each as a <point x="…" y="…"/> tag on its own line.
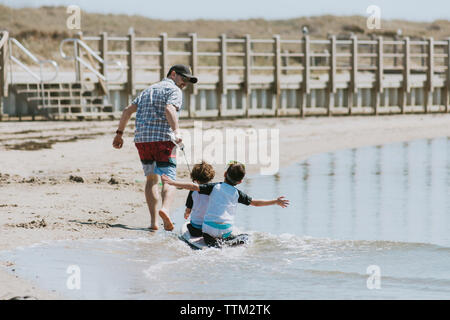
<point x="282" y="202"/>
<point x="166" y="179"/>
<point x="187" y="213"/>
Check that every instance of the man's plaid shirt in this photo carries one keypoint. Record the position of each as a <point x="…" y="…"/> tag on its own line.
<point x="151" y="121"/>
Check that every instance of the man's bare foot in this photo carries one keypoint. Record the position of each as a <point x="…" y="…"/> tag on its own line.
<point x="168" y="225"/>
<point x="153" y="228"/>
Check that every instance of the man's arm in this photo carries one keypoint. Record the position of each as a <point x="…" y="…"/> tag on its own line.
<point x="262" y="203"/>
<point x="172" y="119"/>
<point x="126" y="115"/>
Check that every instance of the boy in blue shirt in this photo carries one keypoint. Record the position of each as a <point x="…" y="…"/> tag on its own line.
<point x="223" y="199"/>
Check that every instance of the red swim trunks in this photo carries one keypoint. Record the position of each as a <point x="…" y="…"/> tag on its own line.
<point x="163" y="152"/>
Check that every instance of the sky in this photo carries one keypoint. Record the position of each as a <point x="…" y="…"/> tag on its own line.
<point x="414" y="10"/>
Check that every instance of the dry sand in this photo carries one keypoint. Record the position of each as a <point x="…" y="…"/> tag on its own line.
<point x="75" y="185"/>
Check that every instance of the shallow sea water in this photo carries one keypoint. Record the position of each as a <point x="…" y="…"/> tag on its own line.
<point x="367" y="223"/>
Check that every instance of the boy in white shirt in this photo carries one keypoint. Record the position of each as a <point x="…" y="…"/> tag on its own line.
<point x="197" y="204"/>
<point x="219" y="218"/>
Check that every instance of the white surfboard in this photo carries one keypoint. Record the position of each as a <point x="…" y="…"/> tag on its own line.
<point x="196" y="243"/>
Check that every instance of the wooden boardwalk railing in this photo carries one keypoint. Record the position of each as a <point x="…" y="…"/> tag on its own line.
<point x="4" y="36"/>
<point x="263" y="73"/>
<point x="277" y="77"/>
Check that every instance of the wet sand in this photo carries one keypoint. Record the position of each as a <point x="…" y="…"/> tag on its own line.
<point x="63" y="180"/>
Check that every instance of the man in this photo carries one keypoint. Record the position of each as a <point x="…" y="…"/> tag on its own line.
<point x="157" y="114"/>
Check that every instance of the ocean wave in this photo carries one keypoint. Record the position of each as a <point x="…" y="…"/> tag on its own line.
<point x="287" y="240"/>
<point x="389" y="279"/>
<point x="258" y="240"/>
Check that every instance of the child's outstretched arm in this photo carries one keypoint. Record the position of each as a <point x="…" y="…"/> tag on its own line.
<point x="183" y="185"/>
<point x="281" y="201"/>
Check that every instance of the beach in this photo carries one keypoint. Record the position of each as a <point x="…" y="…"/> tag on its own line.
<point x="65" y="181"/>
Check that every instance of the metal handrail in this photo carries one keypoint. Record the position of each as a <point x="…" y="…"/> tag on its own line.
<point x="40" y="62"/>
<point x="39" y="77"/>
<point x="76" y="57"/>
<point x="4" y="38"/>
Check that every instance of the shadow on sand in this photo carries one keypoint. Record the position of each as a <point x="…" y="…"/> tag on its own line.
<point x="104" y="225"/>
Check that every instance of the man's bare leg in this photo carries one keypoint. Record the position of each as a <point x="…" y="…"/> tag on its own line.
<point x="168" y="193"/>
<point x="152" y="197"/>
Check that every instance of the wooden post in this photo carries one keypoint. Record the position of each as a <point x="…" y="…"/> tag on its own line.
<point x="406" y="88"/>
<point x="430" y="74"/>
<point x="1" y="108"/>
<point x="247" y="72"/>
<point x="163" y="58"/>
<point x="395" y="50"/>
<point x="372" y="49"/>
<point x="131" y="75"/>
<point x="2" y="66"/>
<point x="4" y="50"/>
<point x="285" y="61"/>
<point x="422" y="51"/>
<point x="332" y="75"/>
<point x="306" y="74"/>
<point x="277" y="72"/>
<point x="193" y="88"/>
<point x="3" y="74"/>
<point x="447" y="87"/>
<point x="223" y="64"/>
<point x="103" y="45"/>
<point x="194" y="60"/>
<point x="379" y="76"/>
<point x="353" y="88"/>
<point x="222" y="73"/>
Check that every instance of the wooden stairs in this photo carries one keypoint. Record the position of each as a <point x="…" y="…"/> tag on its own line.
<point x="64" y="101"/>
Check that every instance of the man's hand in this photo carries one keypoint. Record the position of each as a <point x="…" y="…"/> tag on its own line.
<point x="187" y="213"/>
<point x="282" y="202"/>
<point x="118" y="141"/>
<point x="177" y="137"/>
<point x="126" y="115"/>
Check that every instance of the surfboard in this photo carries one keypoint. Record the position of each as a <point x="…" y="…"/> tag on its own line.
<point x="198" y="243"/>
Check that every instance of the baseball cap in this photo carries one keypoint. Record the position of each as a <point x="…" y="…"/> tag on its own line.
<point x="184" y="71"/>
